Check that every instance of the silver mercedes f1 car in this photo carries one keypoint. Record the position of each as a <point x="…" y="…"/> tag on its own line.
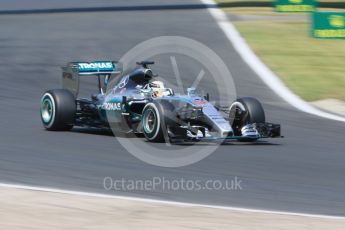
<point x="136" y="102"/>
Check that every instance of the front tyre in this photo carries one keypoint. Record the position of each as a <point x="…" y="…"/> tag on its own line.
<point x="58" y="109"/>
<point x="244" y="111"/>
<point x="156" y="118"/>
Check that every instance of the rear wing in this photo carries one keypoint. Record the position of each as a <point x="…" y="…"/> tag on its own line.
<point x="72" y="72"/>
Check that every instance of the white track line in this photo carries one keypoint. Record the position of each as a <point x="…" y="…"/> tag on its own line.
<point x="266" y="75"/>
<point x="165" y="202"/>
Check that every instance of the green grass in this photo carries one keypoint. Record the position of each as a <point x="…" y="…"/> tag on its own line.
<point x="312" y="68"/>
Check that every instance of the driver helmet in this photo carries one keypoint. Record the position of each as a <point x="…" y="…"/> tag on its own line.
<point x="157" y="88"/>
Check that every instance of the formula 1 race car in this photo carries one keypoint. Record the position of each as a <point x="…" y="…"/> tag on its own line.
<point x="137" y="103"/>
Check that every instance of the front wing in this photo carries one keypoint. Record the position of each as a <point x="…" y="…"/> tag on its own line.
<point x="265" y="130"/>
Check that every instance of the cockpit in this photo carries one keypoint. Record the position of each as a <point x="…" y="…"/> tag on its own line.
<point x="158" y="89"/>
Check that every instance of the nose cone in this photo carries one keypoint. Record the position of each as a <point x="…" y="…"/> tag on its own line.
<point x="217" y="121"/>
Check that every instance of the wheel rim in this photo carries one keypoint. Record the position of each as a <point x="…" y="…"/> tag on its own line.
<point x="47" y="110"/>
<point x="150" y="121"/>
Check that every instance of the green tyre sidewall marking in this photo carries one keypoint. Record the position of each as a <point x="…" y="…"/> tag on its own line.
<point x="46" y="100"/>
<point x="150" y="134"/>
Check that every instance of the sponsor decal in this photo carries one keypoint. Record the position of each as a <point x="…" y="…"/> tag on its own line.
<point x="295" y="5"/>
<point x="296" y="1"/>
<point x="199" y="101"/>
<point x="337" y="21"/>
<point x="328" y="25"/>
<point x="111" y="106"/>
<point x="95" y="66"/>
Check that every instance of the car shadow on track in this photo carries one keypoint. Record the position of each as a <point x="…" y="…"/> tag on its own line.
<point x="93" y="131"/>
<point x="109" y="133"/>
<point x="104" y="132"/>
<point x="250" y="143"/>
<point x="235" y="143"/>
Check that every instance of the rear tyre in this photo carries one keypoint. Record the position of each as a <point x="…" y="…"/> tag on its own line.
<point x="58" y="109"/>
<point x="246" y="110"/>
<point x="157" y="117"/>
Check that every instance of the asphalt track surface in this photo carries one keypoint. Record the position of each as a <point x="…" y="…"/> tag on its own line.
<point x="304" y="172"/>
